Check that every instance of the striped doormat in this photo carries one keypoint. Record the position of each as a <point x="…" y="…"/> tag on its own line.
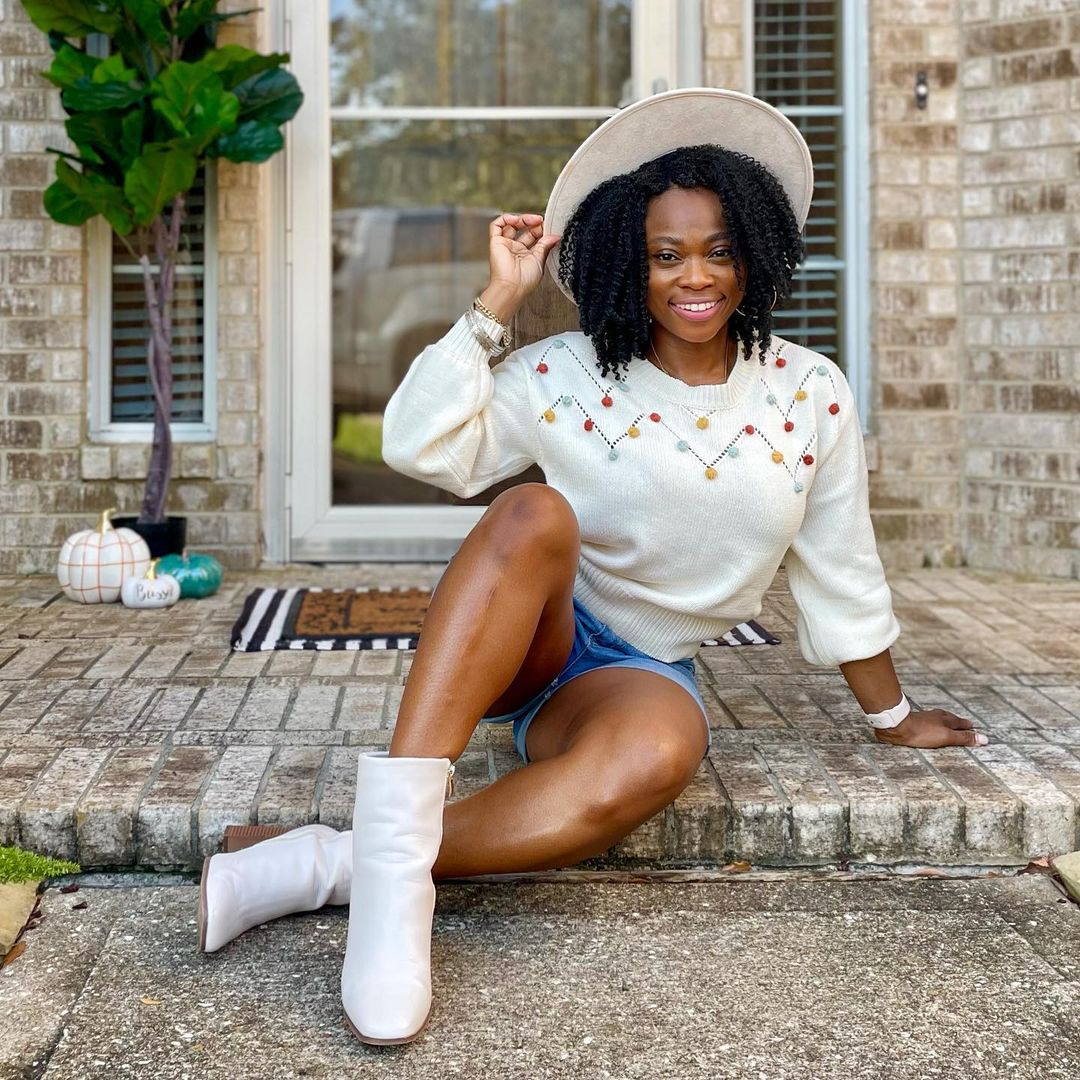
<point x="380" y="618"/>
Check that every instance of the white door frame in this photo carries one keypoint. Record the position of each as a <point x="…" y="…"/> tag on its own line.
<point x="300" y="521"/>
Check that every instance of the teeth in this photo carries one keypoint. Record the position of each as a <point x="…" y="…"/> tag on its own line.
<point x="696" y="307"/>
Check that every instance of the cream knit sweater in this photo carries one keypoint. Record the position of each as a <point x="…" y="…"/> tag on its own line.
<point x="688" y="497"/>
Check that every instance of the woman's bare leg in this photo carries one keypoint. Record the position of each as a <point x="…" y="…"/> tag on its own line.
<point x="499" y="628"/>
<point x="623" y="744"/>
<point x="500" y="625"/>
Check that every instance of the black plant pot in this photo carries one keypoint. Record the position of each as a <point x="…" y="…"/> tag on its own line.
<point x="168" y="537"/>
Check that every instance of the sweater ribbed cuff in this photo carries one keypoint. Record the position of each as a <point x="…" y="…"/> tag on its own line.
<point x="460" y="342"/>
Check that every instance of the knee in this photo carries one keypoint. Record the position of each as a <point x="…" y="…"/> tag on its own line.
<point x="652" y="770"/>
<point x="537" y="515"/>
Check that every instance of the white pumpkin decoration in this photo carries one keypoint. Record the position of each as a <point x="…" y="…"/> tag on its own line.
<point x="152" y="590"/>
<point x="94" y="563"/>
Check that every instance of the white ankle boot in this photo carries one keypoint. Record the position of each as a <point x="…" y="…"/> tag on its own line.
<point x="397" y="832"/>
<point x="300" y="870"/>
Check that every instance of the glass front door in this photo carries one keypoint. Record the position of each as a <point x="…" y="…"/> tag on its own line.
<point x="439" y="114"/>
<point x="443" y="114"/>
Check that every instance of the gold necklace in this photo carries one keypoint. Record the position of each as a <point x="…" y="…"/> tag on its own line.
<point x="727" y="364"/>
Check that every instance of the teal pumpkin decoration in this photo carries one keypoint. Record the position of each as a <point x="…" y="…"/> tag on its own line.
<point x="199" y="575"/>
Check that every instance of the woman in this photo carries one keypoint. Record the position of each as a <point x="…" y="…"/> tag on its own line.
<point x="688" y="450"/>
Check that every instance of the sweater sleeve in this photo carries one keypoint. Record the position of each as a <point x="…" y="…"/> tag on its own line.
<point x="843" y="602"/>
<point x="457" y="422"/>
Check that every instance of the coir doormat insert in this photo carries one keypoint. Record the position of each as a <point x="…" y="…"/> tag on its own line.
<point x="379" y="618"/>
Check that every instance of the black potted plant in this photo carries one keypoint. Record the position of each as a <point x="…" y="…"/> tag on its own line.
<point x="144" y="119"/>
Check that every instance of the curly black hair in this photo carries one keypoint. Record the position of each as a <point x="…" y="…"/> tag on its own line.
<point x="603" y="259"/>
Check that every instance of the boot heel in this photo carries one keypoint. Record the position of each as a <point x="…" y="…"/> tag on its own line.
<point x="238" y="837"/>
<point x="266" y="871"/>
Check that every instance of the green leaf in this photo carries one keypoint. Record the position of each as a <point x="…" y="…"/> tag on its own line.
<point x="137" y="51"/>
<point x="84" y="161"/>
<point x="73" y="18"/>
<point x="192" y="17"/>
<point x="131" y="137"/>
<point x="67" y="199"/>
<point x="156" y="178"/>
<point x="63" y="205"/>
<point x="96" y="133"/>
<point x="147" y="15"/>
<point x="200" y="15"/>
<point x="69" y="65"/>
<point x="114" y="69"/>
<point x="85" y="96"/>
<point x="18" y="865"/>
<point x="236" y="64"/>
<point x="254" y="140"/>
<point x="272" y="96"/>
<point x="193" y="100"/>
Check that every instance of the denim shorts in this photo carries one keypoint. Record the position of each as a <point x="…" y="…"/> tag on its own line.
<point x="596" y="645"/>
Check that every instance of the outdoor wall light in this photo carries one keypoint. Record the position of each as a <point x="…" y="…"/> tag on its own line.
<point x="922" y="90"/>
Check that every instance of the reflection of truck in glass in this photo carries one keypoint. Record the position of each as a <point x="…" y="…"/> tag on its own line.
<point x="402" y="276"/>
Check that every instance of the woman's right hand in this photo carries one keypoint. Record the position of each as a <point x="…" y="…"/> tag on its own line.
<point x="518" y="249"/>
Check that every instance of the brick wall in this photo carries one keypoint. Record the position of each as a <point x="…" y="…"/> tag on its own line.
<point x="723" y="40"/>
<point x="975" y="255"/>
<point x="915" y="284"/>
<point x="1020" y="162"/>
<point x="975" y="413"/>
<point x="53" y="480"/>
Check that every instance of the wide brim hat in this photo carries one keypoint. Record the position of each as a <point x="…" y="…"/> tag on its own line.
<point x="660" y="123"/>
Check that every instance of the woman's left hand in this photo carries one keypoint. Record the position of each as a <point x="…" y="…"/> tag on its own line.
<point x="930" y="729"/>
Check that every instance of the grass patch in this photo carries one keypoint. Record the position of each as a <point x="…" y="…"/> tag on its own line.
<point x="17" y="865"/>
<point x="360" y="436"/>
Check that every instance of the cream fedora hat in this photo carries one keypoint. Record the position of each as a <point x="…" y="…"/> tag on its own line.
<point x="686" y="117"/>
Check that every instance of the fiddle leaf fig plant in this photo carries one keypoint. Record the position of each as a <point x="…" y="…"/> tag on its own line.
<point x="144" y="118"/>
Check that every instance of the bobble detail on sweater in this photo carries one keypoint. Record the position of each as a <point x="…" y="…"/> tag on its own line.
<point x="633" y="431"/>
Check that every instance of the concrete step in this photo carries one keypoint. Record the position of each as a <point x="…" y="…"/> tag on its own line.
<point x="789" y="803"/>
<point x="131" y="738"/>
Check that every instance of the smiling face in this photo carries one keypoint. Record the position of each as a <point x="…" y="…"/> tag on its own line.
<point x="693" y="284"/>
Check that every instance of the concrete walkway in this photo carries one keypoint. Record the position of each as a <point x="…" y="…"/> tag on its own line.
<point x="134" y="737"/>
<point x="896" y="980"/>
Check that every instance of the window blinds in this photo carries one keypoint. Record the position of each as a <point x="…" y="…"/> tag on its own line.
<point x="132" y="399"/>
<point x="798" y="69"/>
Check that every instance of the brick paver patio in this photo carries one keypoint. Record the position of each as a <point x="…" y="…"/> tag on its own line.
<point x="133" y="737"/>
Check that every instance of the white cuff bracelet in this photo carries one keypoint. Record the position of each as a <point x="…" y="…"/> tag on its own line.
<point x="891" y="717"/>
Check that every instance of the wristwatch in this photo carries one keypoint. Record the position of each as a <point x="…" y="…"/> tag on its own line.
<point x="888" y="718"/>
<point x="507" y="337"/>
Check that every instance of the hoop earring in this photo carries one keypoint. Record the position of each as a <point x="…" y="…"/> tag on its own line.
<point x="774" y="299"/>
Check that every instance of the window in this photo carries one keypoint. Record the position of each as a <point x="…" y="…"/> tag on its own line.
<point x="122" y="400"/>
<point x="805" y="59"/>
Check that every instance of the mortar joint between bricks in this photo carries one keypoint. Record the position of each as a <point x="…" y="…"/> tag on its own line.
<point x="264" y="780"/>
<point x="727" y="710"/>
<point x="239" y="705"/>
<point x="320" y="784"/>
<point x="166" y="749"/>
<point x="833" y="785"/>
<point x="197" y="803"/>
<point x="339" y="700"/>
<point x="290" y="704"/>
<point x="163" y="753"/>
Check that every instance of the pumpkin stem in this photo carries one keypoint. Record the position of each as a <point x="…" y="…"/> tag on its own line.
<point x="151" y="570"/>
<point x="104" y="525"/>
